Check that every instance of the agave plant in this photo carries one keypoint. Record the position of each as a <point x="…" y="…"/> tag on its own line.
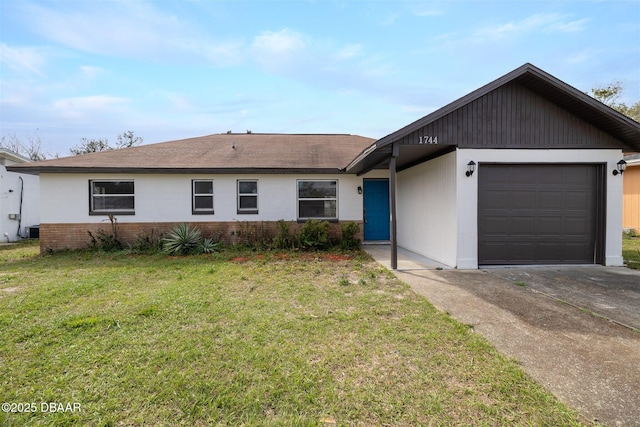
<point x="207" y="246"/>
<point x="182" y="240"/>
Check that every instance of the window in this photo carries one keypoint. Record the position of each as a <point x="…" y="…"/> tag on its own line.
<point x="111" y="197"/>
<point x="247" y="197"/>
<point x="202" y="196"/>
<point x="318" y="199"/>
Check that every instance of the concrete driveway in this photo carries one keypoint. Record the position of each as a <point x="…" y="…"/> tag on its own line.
<point x="610" y="292"/>
<point x="549" y="319"/>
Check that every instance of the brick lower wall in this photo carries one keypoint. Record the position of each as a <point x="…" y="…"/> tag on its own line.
<point x="56" y="237"/>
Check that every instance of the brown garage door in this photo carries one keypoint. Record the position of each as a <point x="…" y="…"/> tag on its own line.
<point x="538" y="214"/>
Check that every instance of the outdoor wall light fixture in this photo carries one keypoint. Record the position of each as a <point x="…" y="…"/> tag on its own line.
<point x="471" y="167"/>
<point x="359" y="189"/>
<point x="620" y="168"/>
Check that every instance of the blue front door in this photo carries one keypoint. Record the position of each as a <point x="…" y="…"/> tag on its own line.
<point x="376" y="209"/>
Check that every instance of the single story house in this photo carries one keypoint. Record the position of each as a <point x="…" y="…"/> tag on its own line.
<point x="520" y="171"/>
<point x="19" y="199"/>
<point x="631" y="194"/>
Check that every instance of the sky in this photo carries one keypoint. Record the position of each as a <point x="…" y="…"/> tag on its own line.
<point x="169" y="70"/>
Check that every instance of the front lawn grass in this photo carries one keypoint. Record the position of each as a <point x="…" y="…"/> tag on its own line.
<point x="631" y="251"/>
<point x="244" y="339"/>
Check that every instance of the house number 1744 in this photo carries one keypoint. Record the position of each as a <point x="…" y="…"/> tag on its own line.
<point x="428" y="140"/>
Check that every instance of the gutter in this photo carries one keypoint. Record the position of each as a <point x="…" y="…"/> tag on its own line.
<point x="34" y="170"/>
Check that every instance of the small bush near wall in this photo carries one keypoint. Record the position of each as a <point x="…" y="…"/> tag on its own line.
<point x="283" y="238"/>
<point x="314" y="235"/>
<point x="253" y="234"/>
<point x="147" y="243"/>
<point x="104" y="240"/>
<point x="349" y="238"/>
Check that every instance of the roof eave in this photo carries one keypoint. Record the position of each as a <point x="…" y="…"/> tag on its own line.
<point x="36" y="170"/>
<point x="14" y="157"/>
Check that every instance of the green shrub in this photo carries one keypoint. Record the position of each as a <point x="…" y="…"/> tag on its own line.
<point x="252" y="235"/>
<point x="105" y="241"/>
<point x="349" y="239"/>
<point x="314" y="235"/>
<point x="147" y="243"/>
<point x="283" y="238"/>
<point x="182" y="240"/>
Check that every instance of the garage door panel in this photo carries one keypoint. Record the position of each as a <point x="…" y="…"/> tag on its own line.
<point x="577" y="200"/>
<point x="553" y="251"/>
<point x="579" y="252"/>
<point x="522" y="226"/>
<point x="551" y="199"/>
<point x="497" y="199"/>
<point x="523" y="199"/>
<point x="577" y="226"/>
<point x="578" y="176"/>
<point x="549" y="180"/>
<point x="537" y="214"/>
<point x="549" y="226"/>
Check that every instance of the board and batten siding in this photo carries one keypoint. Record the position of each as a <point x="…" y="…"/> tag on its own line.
<point x="467" y="194"/>
<point x="426" y="197"/>
<point x="512" y="116"/>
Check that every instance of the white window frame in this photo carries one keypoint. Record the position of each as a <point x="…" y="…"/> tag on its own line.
<point x="241" y="195"/>
<point x="299" y="199"/>
<point x="92" y="197"/>
<point x="201" y="211"/>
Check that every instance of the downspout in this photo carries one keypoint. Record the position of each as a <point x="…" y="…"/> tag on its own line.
<point x="20" y="210"/>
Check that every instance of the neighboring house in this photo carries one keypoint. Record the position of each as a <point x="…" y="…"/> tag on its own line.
<point x="19" y="199"/>
<point x="631" y="194"/>
<point x="517" y="172"/>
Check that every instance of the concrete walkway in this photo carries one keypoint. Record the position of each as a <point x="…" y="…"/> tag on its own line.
<point x="588" y="362"/>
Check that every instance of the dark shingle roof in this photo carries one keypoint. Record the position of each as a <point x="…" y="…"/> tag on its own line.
<point x="219" y="153"/>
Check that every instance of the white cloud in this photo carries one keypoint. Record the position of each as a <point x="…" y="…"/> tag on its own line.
<point x="389" y="20"/>
<point x="547" y="23"/>
<point x="274" y="49"/>
<point x="349" y="51"/>
<point x="76" y="107"/>
<point x="129" y="29"/>
<point x="91" y="72"/>
<point x="427" y="10"/>
<point x="23" y="59"/>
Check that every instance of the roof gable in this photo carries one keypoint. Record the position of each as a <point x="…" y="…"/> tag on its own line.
<point x="620" y="130"/>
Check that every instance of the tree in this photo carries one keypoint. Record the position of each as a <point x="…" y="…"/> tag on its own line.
<point x="128" y="139"/>
<point x="90" y="146"/>
<point x="609" y="95"/>
<point x="31" y="148"/>
<point x="125" y="140"/>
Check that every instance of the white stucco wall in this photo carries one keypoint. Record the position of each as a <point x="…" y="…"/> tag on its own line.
<point x="467" y="195"/>
<point x="426" y="209"/>
<point x="167" y="198"/>
<point x="11" y="191"/>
